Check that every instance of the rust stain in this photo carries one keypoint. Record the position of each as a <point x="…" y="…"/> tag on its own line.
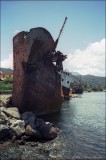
<point x="36" y="82"/>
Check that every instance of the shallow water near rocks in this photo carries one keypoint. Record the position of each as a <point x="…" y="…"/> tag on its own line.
<point x="82" y="122"/>
<point x="82" y="133"/>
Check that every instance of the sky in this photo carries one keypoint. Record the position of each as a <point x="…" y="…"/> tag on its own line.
<point x="83" y="37"/>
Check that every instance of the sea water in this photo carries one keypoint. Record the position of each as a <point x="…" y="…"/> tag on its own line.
<point x="82" y="125"/>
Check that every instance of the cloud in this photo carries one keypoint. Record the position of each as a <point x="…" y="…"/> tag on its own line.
<point x="7" y="63"/>
<point x="91" y="60"/>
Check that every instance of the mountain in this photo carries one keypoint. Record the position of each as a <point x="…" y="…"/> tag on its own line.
<point x="6" y="70"/>
<point x="75" y="74"/>
<point x="93" y="80"/>
<point x="89" y="79"/>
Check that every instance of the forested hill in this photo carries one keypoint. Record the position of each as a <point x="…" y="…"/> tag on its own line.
<point x="93" y="80"/>
<point x="89" y="79"/>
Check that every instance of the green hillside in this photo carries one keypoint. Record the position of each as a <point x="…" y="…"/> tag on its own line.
<point x="90" y="82"/>
<point x="94" y="83"/>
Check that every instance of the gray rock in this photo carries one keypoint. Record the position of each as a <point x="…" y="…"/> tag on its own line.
<point x="32" y="132"/>
<point x="29" y="118"/>
<point x="12" y="112"/>
<point x="4" y="131"/>
<point x="17" y="127"/>
<point x="47" y="131"/>
<point x="3" y="118"/>
<point x="2" y="103"/>
<point x="11" y="121"/>
<point x="49" y="124"/>
<point x="39" y="122"/>
<point x="27" y="115"/>
<point x="54" y="130"/>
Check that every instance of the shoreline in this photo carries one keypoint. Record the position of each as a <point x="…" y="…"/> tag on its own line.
<point x="25" y="136"/>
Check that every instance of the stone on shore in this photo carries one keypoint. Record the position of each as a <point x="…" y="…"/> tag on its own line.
<point x="47" y="131"/>
<point x="28" y="117"/>
<point x="18" y="127"/>
<point x="4" y="132"/>
<point x="26" y="124"/>
<point x="2" y="103"/>
<point x="33" y="133"/>
<point x="3" y="118"/>
<point x="12" y="112"/>
<point x="39" y="122"/>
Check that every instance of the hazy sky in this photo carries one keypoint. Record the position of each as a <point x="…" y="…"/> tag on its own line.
<point x="83" y="38"/>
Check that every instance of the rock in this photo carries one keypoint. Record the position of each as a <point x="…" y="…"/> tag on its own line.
<point x="32" y="132"/>
<point x="47" y="131"/>
<point x="39" y="122"/>
<point x="14" y="138"/>
<point x="17" y="127"/>
<point x="25" y="138"/>
<point x="27" y="115"/>
<point x="20" y="142"/>
<point x="2" y="104"/>
<point x="49" y="123"/>
<point x="5" y="100"/>
<point x="29" y="118"/>
<point x="12" y="112"/>
<point x="54" y="130"/>
<point x="9" y="102"/>
<point x="3" y="118"/>
<point x="2" y="114"/>
<point x="4" y="132"/>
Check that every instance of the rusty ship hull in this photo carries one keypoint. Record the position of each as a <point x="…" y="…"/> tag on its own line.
<point x="36" y="81"/>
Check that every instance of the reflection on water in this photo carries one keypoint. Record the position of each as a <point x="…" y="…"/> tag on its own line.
<point x="82" y="121"/>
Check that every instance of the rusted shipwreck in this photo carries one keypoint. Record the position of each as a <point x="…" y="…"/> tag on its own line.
<point x="70" y="84"/>
<point x="36" y="81"/>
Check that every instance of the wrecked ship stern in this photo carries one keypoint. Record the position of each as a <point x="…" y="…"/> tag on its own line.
<point x="36" y="81"/>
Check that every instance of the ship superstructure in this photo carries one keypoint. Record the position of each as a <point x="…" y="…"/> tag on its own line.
<point x="68" y="82"/>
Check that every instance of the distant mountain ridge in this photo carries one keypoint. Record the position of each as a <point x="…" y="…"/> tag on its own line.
<point x="89" y="79"/>
<point x="75" y="73"/>
<point x="6" y="70"/>
<point x="93" y="80"/>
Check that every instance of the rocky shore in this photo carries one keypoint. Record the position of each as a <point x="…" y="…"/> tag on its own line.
<point x="25" y="136"/>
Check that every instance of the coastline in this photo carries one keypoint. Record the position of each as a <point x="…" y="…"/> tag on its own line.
<point x="64" y="145"/>
<point x="31" y="149"/>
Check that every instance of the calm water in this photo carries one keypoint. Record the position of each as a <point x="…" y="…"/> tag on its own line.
<point x="82" y="123"/>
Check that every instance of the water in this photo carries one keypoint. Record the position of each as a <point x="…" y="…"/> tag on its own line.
<point x="82" y="124"/>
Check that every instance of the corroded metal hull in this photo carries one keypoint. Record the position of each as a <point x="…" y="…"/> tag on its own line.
<point x="36" y="82"/>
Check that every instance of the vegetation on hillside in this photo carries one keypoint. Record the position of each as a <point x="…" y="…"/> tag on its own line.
<point x="88" y="87"/>
<point x="6" y="85"/>
<point x="93" y="83"/>
<point x="96" y="88"/>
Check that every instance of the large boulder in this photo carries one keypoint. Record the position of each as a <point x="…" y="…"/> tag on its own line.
<point x="29" y="118"/>
<point x="17" y="127"/>
<point x="4" y="132"/>
<point x="32" y="132"/>
<point x="39" y="122"/>
<point x="11" y="112"/>
<point x="47" y="131"/>
<point x="3" y="118"/>
<point x="2" y="103"/>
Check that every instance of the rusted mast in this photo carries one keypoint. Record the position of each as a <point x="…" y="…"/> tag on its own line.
<point x="57" y="40"/>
